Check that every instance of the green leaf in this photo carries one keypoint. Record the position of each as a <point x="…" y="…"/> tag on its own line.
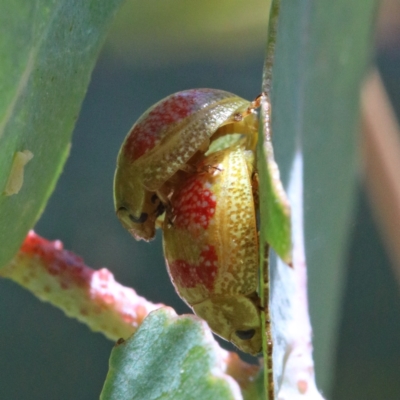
<point x="275" y="226"/>
<point x="48" y="49"/>
<point x="169" y="357"/>
<point x="274" y="204"/>
<point x="320" y="59"/>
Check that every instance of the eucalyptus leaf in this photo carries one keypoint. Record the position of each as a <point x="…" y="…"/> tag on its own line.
<point x="320" y="59"/>
<point x="169" y="357"/>
<point x="274" y="204"/>
<point x="48" y="49"/>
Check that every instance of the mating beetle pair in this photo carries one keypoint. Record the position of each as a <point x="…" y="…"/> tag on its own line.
<point x="187" y="166"/>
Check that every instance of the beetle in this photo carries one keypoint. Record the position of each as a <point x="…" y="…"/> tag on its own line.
<point x="165" y="144"/>
<point x="210" y="244"/>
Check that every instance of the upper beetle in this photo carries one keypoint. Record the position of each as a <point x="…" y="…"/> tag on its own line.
<point x="165" y="143"/>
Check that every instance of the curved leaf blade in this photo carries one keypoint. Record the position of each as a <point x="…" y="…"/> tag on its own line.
<point x="169" y="357"/>
<point x="317" y="73"/>
<point x="48" y="49"/>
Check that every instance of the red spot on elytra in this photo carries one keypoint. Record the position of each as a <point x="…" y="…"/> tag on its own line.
<point x="148" y="131"/>
<point x="194" y="206"/>
<point x="204" y="273"/>
<point x="68" y="267"/>
<point x="150" y="128"/>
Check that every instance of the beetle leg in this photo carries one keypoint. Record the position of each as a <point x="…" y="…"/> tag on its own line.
<point x="250" y="109"/>
<point x="170" y="217"/>
<point x="211" y="169"/>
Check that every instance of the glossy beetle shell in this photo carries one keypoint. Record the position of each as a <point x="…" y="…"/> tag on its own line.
<point x="166" y="139"/>
<point x="211" y="246"/>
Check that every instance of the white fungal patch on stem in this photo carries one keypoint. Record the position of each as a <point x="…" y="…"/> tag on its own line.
<point x="16" y="177"/>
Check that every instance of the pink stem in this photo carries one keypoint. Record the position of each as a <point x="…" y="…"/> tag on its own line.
<point x="93" y="297"/>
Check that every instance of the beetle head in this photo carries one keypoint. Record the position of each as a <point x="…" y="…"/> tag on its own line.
<point x="137" y="208"/>
<point x="236" y="319"/>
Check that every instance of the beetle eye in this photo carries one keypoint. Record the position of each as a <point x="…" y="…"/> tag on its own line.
<point x="245" y="335"/>
<point x="136" y="220"/>
<point x="154" y="198"/>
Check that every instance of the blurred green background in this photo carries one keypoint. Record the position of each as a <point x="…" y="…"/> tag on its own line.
<point x="43" y="354"/>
